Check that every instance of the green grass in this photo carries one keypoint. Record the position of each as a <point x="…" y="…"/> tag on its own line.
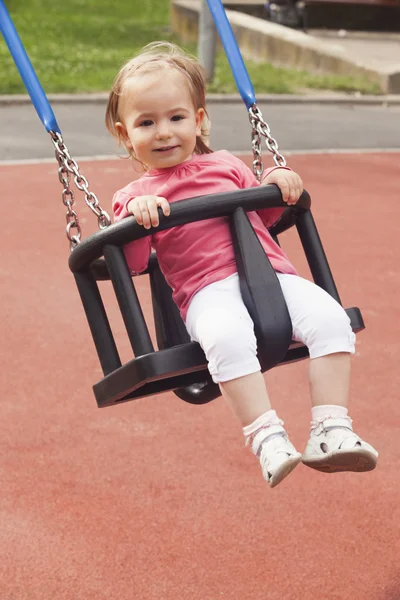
<point x="79" y="45"/>
<point x="274" y="80"/>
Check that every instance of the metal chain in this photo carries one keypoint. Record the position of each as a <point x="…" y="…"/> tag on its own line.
<point x="68" y="166"/>
<point x="261" y="128"/>
<point x="68" y="199"/>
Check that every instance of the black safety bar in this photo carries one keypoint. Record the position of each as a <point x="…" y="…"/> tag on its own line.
<point x="180" y="364"/>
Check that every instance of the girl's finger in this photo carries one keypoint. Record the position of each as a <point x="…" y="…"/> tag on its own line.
<point x="292" y="195"/>
<point x="285" y="189"/>
<point x="295" y="189"/>
<point x="134" y="210"/>
<point x="152" y="207"/>
<point x="164" y="205"/>
<point x="137" y="214"/>
<point x="299" y="187"/>
<point x="145" y="217"/>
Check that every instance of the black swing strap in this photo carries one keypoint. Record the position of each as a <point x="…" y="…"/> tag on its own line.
<point x="259" y="284"/>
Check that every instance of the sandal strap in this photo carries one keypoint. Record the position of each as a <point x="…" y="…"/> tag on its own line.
<point x="264" y="434"/>
<point x="327" y="423"/>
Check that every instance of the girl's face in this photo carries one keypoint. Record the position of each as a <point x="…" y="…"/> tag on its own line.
<point x="158" y="119"/>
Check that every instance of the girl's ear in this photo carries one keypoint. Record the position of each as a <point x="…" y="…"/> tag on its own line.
<point x="199" y="120"/>
<point x="123" y="134"/>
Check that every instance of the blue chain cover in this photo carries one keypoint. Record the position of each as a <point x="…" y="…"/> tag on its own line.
<point x="232" y="52"/>
<point x="26" y="70"/>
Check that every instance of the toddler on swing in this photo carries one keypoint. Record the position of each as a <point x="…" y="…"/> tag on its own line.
<point x="157" y="109"/>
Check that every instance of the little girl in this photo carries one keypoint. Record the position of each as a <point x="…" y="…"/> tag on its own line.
<point x="157" y="109"/>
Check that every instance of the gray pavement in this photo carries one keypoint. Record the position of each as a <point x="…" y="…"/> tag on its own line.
<point x="297" y="126"/>
<point x="378" y="50"/>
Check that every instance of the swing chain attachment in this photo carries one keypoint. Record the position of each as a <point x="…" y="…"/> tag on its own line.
<point x="67" y="167"/>
<point x="261" y="128"/>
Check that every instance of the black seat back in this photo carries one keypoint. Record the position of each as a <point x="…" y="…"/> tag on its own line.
<point x="262" y="296"/>
<point x="261" y="293"/>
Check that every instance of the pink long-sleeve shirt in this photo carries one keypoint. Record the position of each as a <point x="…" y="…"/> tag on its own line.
<point x="197" y="254"/>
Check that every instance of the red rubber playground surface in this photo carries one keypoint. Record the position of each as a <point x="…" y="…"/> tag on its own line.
<point x="157" y="499"/>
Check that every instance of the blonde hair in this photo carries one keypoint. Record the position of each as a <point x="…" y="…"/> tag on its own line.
<point x="152" y="57"/>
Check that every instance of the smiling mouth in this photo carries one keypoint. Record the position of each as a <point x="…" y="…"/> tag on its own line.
<point x="165" y="148"/>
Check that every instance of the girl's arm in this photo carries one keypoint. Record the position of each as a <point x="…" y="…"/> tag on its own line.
<point x="289" y="183"/>
<point x="145" y="209"/>
<point x="137" y="253"/>
<point x="269" y="216"/>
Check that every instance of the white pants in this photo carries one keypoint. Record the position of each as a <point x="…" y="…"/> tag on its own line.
<point x="219" y="321"/>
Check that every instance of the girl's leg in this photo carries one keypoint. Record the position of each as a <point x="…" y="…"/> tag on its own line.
<point x="329" y="378"/>
<point x="323" y="326"/>
<point x="219" y="321"/>
<point x="247" y="396"/>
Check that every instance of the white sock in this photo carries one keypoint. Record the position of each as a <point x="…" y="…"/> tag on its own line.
<point x="255" y="432"/>
<point x="268" y="418"/>
<point x="328" y="411"/>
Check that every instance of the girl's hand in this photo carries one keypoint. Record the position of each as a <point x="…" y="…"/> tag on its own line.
<point x="288" y="182"/>
<point x="144" y="209"/>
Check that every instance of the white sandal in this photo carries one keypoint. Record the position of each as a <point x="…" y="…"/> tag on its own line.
<point x="333" y="446"/>
<point x="278" y="457"/>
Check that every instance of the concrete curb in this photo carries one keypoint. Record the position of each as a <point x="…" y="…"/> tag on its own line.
<point x="263" y="41"/>
<point x="325" y="99"/>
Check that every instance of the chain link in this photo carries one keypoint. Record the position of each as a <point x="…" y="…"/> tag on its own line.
<point x="261" y="128"/>
<point x="67" y="167"/>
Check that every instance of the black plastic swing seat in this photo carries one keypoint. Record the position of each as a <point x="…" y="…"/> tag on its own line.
<point x="180" y="365"/>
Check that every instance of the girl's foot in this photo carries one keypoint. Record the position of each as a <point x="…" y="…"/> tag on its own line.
<point x="333" y="446"/>
<point x="278" y="457"/>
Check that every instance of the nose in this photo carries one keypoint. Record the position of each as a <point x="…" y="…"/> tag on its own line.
<point x="163" y="130"/>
